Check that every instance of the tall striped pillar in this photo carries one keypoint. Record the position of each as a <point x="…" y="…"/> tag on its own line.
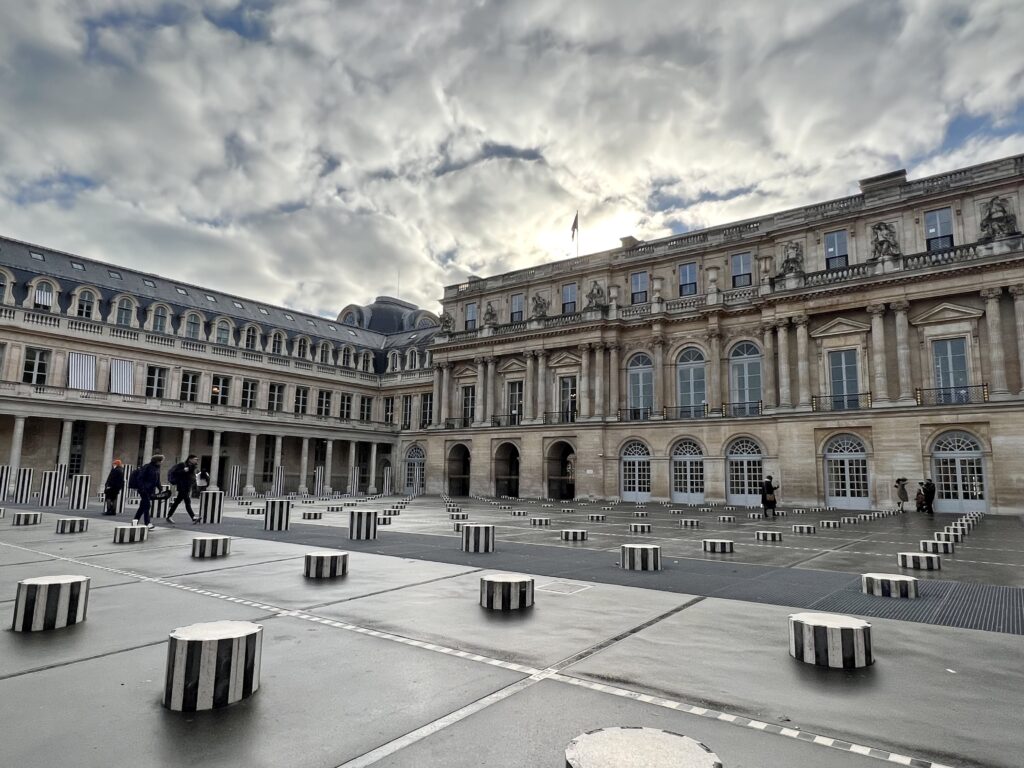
<point x="234" y="479"/>
<point x="79" y="499"/>
<point x="318" y="480"/>
<point x="278" y="515"/>
<point x="122" y="497"/>
<point x="362" y="524"/>
<point x="49" y="489"/>
<point x="62" y="477"/>
<point x="5" y="480"/>
<point x="211" y="506"/>
<point x="277" y="489"/>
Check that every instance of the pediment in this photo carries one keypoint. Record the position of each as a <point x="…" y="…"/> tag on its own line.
<point x="563" y="359"/>
<point x="511" y="365"/>
<point x="946" y="313"/>
<point x="462" y="371"/>
<point x="841" y="326"/>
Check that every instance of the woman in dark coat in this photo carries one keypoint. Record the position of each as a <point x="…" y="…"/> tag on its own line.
<point x="112" y="488"/>
<point x="901" y="493"/>
<point x="768" y="495"/>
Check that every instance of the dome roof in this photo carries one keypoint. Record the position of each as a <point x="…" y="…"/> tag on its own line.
<point x="386" y="315"/>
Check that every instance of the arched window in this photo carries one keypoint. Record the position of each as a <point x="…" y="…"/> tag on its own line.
<point x="302" y="349"/>
<point x="192" y="326"/>
<point x="687" y="472"/>
<point x="393" y="364"/>
<point x="277" y="344"/>
<point x="691" y="392"/>
<point x="846" y="472"/>
<point x="160" y="320"/>
<point x="223" y="333"/>
<point x="325" y="354"/>
<point x="640" y="388"/>
<point x="746" y="472"/>
<point x="636" y="471"/>
<point x="346" y="358"/>
<point x="251" y="338"/>
<point x="959" y="473"/>
<point x="4" y="282"/>
<point x="367" y="362"/>
<point x="349" y="319"/>
<point x="86" y="304"/>
<point x="125" y="310"/>
<point x="425" y="322"/>
<point x="44" y="295"/>
<point x="745" y="380"/>
<point x="412" y="360"/>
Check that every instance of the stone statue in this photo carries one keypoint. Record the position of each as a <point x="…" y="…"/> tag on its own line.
<point x="997" y="221"/>
<point x="490" y="316"/>
<point x="595" y="297"/>
<point x="540" y="306"/>
<point x="884" y="244"/>
<point x="792" y="258"/>
<point x="447" y="322"/>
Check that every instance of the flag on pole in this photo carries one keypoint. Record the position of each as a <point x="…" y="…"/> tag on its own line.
<point x="575" y="225"/>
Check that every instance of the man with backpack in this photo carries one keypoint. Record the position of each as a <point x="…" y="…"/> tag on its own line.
<point x="182" y="476"/>
<point x="146" y="480"/>
<point x="112" y="488"/>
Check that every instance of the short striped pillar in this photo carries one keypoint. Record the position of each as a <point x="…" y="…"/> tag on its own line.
<point x="568" y="511"/>
<point x="539" y="521"/>
<point x="720" y="546"/>
<point x="573" y="534"/>
<point x="640" y="746"/>
<point x="348" y="503"/>
<point x="211" y="546"/>
<point x="390" y="512"/>
<point x="919" y="561"/>
<point x="504" y="507"/>
<point x="458" y="515"/>
<point x="457" y="525"/>
<point x="449" y="509"/>
<point x="801" y="528"/>
<point x="607" y="509"/>
<point x="781" y="513"/>
<point x="768" y="536"/>
<point x="519" y="513"/>
<point x="27" y="518"/>
<point x="335" y="508"/>
<point x="888" y="585"/>
<point x="506" y="592"/>
<point x="707" y="510"/>
<point x="938" y="547"/>
<point x="23" y="485"/>
<point x="639" y="527"/>
<point x="478" y="537"/>
<point x="3" y="512"/>
<point x="729" y="508"/>
<point x="831" y="524"/>
<point x="159" y="506"/>
<point x="362" y="524"/>
<point x="325" y="565"/>
<point x="865" y="517"/>
<point x="755" y="516"/>
<point x="255" y="511"/>
<point x="966" y="521"/>
<point x="596" y="517"/>
<point x="727" y="518"/>
<point x="640" y="557"/>
<point x="50" y="602"/>
<point x="278" y="514"/>
<point x="312" y="515"/>
<point x="79" y="498"/>
<point x="849" y="520"/>
<point x="641" y="514"/>
<point x="212" y="665"/>
<point x="689" y="522"/>
<point x="50" y="489"/>
<point x="830" y="640"/>
<point x="953" y="536"/>
<point x="384" y="520"/>
<point x="130" y="534"/>
<point x="211" y="507"/>
<point x="72" y="524"/>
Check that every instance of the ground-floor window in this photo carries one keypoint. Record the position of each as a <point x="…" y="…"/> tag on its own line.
<point x="636" y="472"/>
<point x="959" y="473"/>
<point x="687" y="472"/>
<point x="846" y="473"/>
<point x="746" y="472"/>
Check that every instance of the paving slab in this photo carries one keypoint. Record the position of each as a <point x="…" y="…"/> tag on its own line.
<point x="10" y="575"/>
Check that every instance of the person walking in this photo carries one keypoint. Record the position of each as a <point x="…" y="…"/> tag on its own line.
<point x="148" y="483"/>
<point x="901" y="493"/>
<point x="929" y="497"/>
<point x="113" y="487"/>
<point x="183" y="476"/>
<point x="768" y="495"/>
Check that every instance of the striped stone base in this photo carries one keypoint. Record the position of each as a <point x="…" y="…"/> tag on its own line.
<point x="384" y="520"/>
<point x="211" y="546"/>
<point x="255" y="511"/>
<point x="457" y="526"/>
<point x="325" y="565"/>
<point x="453" y="510"/>
<point x="50" y="602"/>
<point x="130" y="534"/>
<point x="26" y="518"/>
<point x="938" y="547"/>
<point x="478" y="537"/>
<point x="639" y="527"/>
<point x="831" y="524"/>
<point x="755" y="515"/>
<point x="538" y="521"/>
<point x="390" y="512"/>
<point x="362" y="524"/>
<point x="212" y="665"/>
<point x="278" y="515"/>
<point x="721" y="546"/>
<point x="458" y="515"/>
<point x="574" y="534"/>
<point x="948" y="536"/>
<point x="211" y="507"/>
<point x="830" y="640"/>
<point x="519" y="513"/>
<point x="640" y="557"/>
<point x="641" y="514"/>
<point x="309" y="515"/>
<point x="889" y="585"/>
<point x="919" y="561"/>
<point x="72" y="525"/>
<point x="849" y="520"/>
<point x="335" y="508"/>
<point x="568" y="511"/>
<point x="727" y="518"/>
<point x="804" y="529"/>
<point x="607" y="509"/>
<point x="637" y="746"/>
<point x="596" y="517"/>
<point x="767" y="536"/>
<point x="506" y="592"/>
<point x="689" y="522"/>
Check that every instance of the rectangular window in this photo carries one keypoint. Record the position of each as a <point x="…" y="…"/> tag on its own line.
<point x="76" y="459"/>
<point x="189" y="386"/>
<point x="515" y="402"/>
<point x="471" y="317"/>
<point x="638" y="287"/>
<point x="275" y="397"/>
<point x="268" y="460"/>
<point x="86" y="303"/>
<point x="156" y="381"/>
<point x="836" y="254"/>
<point x="517" y="306"/>
<point x="345" y="413"/>
<point x="44" y="296"/>
<point x="301" y="399"/>
<point x="323" y="402"/>
<point x="742" y="269"/>
<point x="122" y="376"/>
<point x="389" y="410"/>
<point x="220" y="390"/>
<point x="406" y="411"/>
<point x="365" y="408"/>
<point x="250" y="390"/>
<point x="81" y="371"/>
<point x="567" y="398"/>
<point x="842" y="366"/>
<point x="468" y="404"/>
<point x="426" y="409"/>
<point x="568" y="298"/>
<point x="952" y="375"/>
<point x="938" y="229"/>
<point x="688" y="279"/>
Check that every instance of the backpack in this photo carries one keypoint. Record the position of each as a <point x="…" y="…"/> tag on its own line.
<point x="173" y="476"/>
<point x="134" y="478"/>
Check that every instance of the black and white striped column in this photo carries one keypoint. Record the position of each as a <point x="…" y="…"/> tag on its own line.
<point x="919" y="561"/>
<point x="27" y="518"/>
<point x="211" y="507"/>
<point x="50" y="488"/>
<point x="325" y="565"/>
<point x="954" y="536"/>
<point x="212" y="665"/>
<point x="637" y="746"/>
<point x="755" y="515"/>
<point x="458" y="515"/>
<point x="5" y="480"/>
<point x="79" y="498"/>
<point x="720" y="546"/>
<point x="767" y="536"/>
<point x="3" y="512"/>
<point x="72" y="524"/>
<point x="540" y="521"/>
<point x="889" y="585"/>
<point x="386" y="520"/>
<point x="457" y="525"/>
<point x="255" y="511"/>
<point x="639" y="527"/>
<point x="596" y="517"/>
<point x="278" y="515"/>
<point x="641" y="514"/>
<point x="50" y="602"/>
<point x="938" y="547"/>
<point x="234" y="480"/>
<point x="640" y="557"/>
<point x="159" y="507"/>
<point x="477" y="537"/>
<point x="689" y="522"/>
<point x="831" y="524"/>
<point x="804" y="529"/>
<point x="506" y="592"/>
<point x="362" y="524"/>
<point x="727" y="518"/>
<point x="573" y="534"/>
<point x="211" y="546"/>
<point x="23" y="486"/>
<point x="519" y="513"/>
<point x="850" y="520"/>
<point x="130" y="534"/>
<point x="312" y="515"/>
<point x="830" y="640"/>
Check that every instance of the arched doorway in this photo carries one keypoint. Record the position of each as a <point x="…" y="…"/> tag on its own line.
<point x="561" y="463"/>
<point x="746" y="472"/>
<point x="687" y="472"/>
<point x="958" y="471"/>
<point x="846" y="473"/>
<point x="458" y="470"/>
<point x="415" y="462"/>
<point x="506" y="470"/>
<point x="636" y="472"/>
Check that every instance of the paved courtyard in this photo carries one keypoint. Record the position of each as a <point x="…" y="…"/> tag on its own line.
<point x="397" y="665"/>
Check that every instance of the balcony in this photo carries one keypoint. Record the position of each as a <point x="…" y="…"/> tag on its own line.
<point x="560" y="417"/>
<point x="635" y="414"/>
<point x="506" y="420"/>
<point x="742" y="410"/>
<point x="464" y="422"/>
<point x="680" y="412"/>
<point x="850" y="402"/>
<point x="968" y="395"/>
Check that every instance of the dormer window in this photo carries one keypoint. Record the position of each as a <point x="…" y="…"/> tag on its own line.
<point x="223" y="333"/>
<point x="86" y="304"/>
<point x="303" y="350"/>
<point x="160" y="320"/>
<point x="192" y="326"/>
<point x="125" y="309"/>
<point x="44" y="295"/>
<point x="277" y="344"/>
<point x="251" y="338"/>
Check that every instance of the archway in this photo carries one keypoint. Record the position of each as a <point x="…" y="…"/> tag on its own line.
<point x="561" y="463"/>
<point x="506" y="470"/>
<point x="458" y="470"/>
<point x="846" y="473"/>
<point x="687" y="472"/>
<point x="958" y="469"/>
<point x="746" y="472"/>
<point x="635" y="460"/>
<point x="415" y="461"/>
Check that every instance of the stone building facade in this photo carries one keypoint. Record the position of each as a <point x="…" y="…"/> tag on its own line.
<point x="835" y="347"/>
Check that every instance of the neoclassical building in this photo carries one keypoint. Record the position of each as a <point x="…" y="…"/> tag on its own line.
<point x="836" y="347"/>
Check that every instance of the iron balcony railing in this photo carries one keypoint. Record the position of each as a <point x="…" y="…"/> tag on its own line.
<point x="635" y="414"/>
<point x="506" y="420"/>
<point x="687" y="411"/>
<point x="854" y="401"/>
<point x="741" y="410"/>
<point x="560" y="417"/>
<point x="967" y="395"/>
<point x="464" y="422"/>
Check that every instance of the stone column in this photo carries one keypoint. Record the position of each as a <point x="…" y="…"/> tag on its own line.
<point x="147" y="447"/>
<point x="996" y="355"/>
<point x="353" y="481"/>
<point x="14" y="462"/>
<point x="542" y="384"/>
<point x="584" y="382"/>
<point x="713" y="337"/>
<point x="785" y="397"/>
<point x="435" y="404"/>
<point x="64" y="453"/>
<point x="1017" y="291"/>
<point x="278" y="448"/>
<point x="250" y="468"/>
<point x="108" y="451"/>
<point x="768" y="390"/>
<point x="903" y="351"/>
<point x="659" y="377"/>
<point x="304" y="466"/>
<point x="328" y="466"/>
<point x="481" y="391"/>
<point x="880" y="388"/>
<point x="186" y="444"/>
<point x="803" y="363"/>
<point x="446" y="391"/>
<point x="528" y="391"/>
<point x="613" y="380"/>
<point x="599" y="407"/>
<point x="492" y="380"/>
<point x="214" y="461"/>
<point x="373" y="469"/>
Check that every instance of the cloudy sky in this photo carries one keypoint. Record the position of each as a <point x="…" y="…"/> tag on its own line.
<point x="306" y="152"/>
